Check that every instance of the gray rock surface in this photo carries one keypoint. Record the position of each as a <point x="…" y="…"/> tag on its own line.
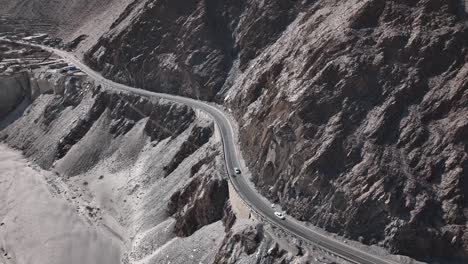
<point x="13" y="90"/>
<point x="353" y="114"/>
<point x="122" y="161"/>
<point x="359" y="130"/>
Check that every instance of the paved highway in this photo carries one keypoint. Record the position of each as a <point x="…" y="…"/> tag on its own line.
<point x="250" y="196"/>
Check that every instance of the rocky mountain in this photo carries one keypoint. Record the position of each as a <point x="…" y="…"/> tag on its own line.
<point x="360" y="127"/>
<point x="352" y="114"/>
<point x="146" y="172"/>
<point x="106" y="148"/>
<point x="81" y="20"/>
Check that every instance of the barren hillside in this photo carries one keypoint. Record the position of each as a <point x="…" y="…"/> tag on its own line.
<point x="68" y="19"/>
<point x="352" y="114"/>
<point x="116" y="177"/>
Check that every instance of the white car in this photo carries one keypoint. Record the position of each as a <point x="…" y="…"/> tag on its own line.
<point x="280" y="215"/>
<point x="237" y="170"/>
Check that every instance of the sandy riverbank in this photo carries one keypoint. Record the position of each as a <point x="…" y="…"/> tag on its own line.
<point x="38" y="226"/>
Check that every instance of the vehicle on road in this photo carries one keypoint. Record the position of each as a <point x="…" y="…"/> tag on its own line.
<point x="280" y="215"/>
<point x="68" y="68"/>
<point x="273" y="205"/>
<point x="334" y="246"/>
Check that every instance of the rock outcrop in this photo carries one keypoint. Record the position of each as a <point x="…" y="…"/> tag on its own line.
<point x="13" y="90"/>
<point x="352" y="113"/>
<point x="123" y="157"/>
<point x="358" y="124"/>
<point x="200" y="202"/>
<point x="189" y="48"/>
<point x="247" y="240"/>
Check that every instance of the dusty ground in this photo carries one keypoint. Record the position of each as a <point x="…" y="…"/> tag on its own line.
<point x="38" y="226"/>
<point x="111" y="182"/>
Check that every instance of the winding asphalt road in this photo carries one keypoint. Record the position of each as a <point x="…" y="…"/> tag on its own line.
<point x="245" y="191"/>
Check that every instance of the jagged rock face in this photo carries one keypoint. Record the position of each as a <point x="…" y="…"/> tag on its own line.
<point x="200" y="202"/>
<point x="172" y="46"/>
<point x="359" y="124"/>
<point x="246" y="241"/>
<point x="229" y="217"/>
<point x="164" y="120"/>
<point x="352" y="113"/>
<point x="188" y="48"/>
<point x="128" y="158"/>
<point x="12" y="92"/>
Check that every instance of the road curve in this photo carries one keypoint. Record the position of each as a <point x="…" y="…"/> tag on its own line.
<point x="245" y="191"/>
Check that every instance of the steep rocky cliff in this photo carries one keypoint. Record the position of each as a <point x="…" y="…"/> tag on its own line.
<point x="13" y="90"/>
<point x="353" y="114"/>
<point x="189" y="48"/>
<point x="360" y="113"/>
<point x="147" y="172"/>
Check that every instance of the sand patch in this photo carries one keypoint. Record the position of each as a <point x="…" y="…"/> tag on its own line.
<point x="39" y="227"/>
